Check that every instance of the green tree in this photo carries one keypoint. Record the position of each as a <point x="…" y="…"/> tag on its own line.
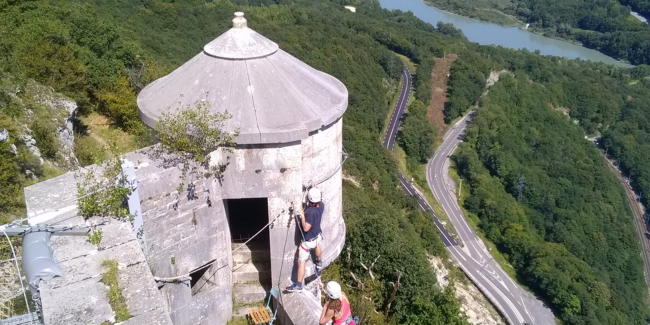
<point x="417" y="135"/>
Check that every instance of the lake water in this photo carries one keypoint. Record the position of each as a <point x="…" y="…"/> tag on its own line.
<point x="485" y="33"/>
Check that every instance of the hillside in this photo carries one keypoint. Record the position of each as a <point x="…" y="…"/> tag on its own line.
<point x="577" y="251"/>
<point x="101" y="55"/>
<point x="545" y="197"/>
<point x="36" y="138"/>
<point x="540" y="190"/>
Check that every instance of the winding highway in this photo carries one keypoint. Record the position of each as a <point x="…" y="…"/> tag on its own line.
<point x="398" y="112"/>
<point x="512" y="301"/>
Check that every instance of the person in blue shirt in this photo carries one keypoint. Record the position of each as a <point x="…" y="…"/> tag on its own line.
<point x="310" y="223"/>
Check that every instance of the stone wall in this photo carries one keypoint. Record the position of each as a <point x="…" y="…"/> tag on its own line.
<point x="196" y="232"/>
<point x="184" y="232"/>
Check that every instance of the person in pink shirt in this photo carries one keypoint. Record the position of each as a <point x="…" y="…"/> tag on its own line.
<point x="337" y="308"/>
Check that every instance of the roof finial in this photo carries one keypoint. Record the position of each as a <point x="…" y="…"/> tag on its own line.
<point x="239" y="21"/>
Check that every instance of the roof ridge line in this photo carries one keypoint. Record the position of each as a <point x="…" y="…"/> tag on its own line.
<point x="251" y="90"/>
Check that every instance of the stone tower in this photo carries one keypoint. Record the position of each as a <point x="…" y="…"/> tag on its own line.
<point x="290" y="120"/>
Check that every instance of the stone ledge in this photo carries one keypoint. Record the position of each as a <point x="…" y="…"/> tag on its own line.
<point x="79" y="296"/>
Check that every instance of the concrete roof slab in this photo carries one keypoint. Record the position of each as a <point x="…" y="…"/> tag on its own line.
<point x="78" y="303"/>
<point x="154" y="317"/>
<point x="323" y="94"/>
<point x="139" y="289"/>
<point x="61" y="244"/>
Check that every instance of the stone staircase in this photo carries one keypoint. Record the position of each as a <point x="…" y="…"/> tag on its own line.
<point x="251" y="277"/>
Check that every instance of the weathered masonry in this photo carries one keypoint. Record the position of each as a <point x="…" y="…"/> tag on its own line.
<point x="290" y="120"/>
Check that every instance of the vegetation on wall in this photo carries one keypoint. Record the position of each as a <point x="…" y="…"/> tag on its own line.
<point x="115" y="297"/>
<point x="102" y="189"/>
<point x="187" y="137"/>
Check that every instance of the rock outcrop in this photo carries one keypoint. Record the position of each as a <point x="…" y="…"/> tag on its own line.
<point x="33" y="102"/>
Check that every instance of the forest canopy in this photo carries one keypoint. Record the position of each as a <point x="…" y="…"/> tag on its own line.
<point x="541" y="191"/>
<point x="546" y="198"/>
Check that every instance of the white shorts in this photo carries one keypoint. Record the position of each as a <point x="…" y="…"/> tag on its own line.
<point x="305" y="246"/>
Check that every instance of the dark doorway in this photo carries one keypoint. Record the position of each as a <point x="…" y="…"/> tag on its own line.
<point x="246" y="217"/>
<point x="251" y="262"/>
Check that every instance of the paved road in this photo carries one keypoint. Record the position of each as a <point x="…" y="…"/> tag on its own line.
<point x="518" y="306"/>
<point x="639" y="222"/>
<point x="398" y="112"/>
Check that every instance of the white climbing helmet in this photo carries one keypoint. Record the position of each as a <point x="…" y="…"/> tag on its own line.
<point x="314" y="195"/>
<point x="333" y="290"/>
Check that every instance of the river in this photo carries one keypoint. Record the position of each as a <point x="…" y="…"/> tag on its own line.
<point x="486" y="33"/>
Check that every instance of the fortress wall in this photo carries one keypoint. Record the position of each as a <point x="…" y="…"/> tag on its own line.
<point x="183" y="235"/>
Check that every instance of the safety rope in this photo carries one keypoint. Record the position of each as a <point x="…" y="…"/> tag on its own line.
<point x="268" y="224"/>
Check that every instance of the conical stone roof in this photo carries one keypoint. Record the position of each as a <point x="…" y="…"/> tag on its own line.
<point x="272" y="96"/>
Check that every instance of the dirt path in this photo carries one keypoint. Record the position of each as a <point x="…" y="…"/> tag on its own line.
<point x="436" y="111"/>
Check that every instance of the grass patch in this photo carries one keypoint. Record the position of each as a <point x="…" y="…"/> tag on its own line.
<point x="239" y="321"/>
<point x="391" y="109"/>
<point x="88" y="150"/>
<point x="94" y="134"/>
<point x="100" y="127"/>
<point x="412" y="66"/>
<point x="50" y="172"/>
<point x="248" y="304"/>
<point x="17" y="305"/>
<point x="115" y="297"/>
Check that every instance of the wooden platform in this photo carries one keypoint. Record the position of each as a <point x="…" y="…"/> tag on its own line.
<point x="260" y="315"/>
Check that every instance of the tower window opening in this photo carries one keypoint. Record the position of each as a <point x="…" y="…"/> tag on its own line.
<point x="202" y="277"/>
